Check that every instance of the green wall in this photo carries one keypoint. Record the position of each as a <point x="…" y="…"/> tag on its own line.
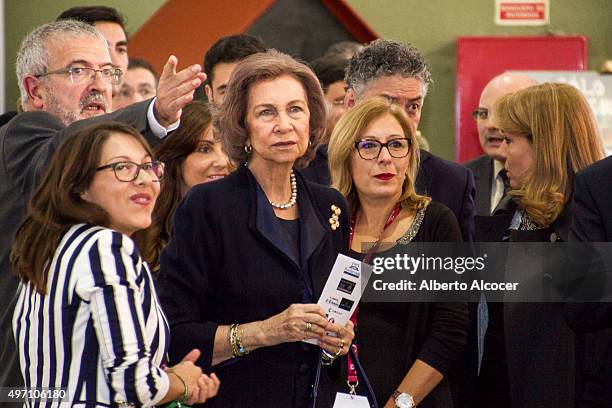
<point x="431" y="25"/>
<point x="21" y="16"/>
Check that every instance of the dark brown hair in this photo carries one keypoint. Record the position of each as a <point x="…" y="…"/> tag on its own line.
<point x="94" y="14"/>
<point x="173" y="151"/>
<point x="230" y="120"/>
<point x="57" y="203"/>
<point x="232" y="48"/>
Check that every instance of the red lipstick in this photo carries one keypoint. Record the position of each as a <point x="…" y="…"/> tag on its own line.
<point x="384" y="176"/>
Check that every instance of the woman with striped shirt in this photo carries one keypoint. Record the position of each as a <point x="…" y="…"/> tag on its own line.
<point x="87" y="319"/>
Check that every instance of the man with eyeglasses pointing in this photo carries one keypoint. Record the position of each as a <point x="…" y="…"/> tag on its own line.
<point x="65" y="78"/>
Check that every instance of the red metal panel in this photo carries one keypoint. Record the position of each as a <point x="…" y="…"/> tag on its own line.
<point x="187" y="28"/>
<point x="479" y="59"/>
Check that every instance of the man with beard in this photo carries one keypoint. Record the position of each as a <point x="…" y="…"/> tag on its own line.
<point x="399" y="73"/>
<point x="489" y="174"/>
<point x="65" y="76"/>
<point x="112" y="26"/>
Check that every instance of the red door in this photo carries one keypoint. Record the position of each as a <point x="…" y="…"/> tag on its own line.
<point x="479" y="59"/>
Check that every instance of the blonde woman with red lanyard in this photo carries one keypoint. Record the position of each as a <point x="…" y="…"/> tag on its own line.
<point x="406" y="349"/>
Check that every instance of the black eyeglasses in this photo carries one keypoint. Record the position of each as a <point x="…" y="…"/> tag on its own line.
<point x="481" y="113"/>
<point x="128" y="171"/>
<point x="370" y="149"/>
<point x="78" y="75"/>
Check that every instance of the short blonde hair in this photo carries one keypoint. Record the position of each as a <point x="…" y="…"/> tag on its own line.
<point x="230" y="119"/>
<point x="558" y="122"/>
<point x="348" y="130"/>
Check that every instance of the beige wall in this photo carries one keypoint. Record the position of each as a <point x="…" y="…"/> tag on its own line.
<point x="430" y="25"/>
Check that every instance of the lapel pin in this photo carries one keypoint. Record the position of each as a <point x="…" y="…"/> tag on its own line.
<point x="333" y="221"/>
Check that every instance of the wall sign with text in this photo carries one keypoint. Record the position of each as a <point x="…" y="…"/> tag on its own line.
<point x="522" y="12"/>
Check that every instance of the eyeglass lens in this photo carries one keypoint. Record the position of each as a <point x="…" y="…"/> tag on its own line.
<point x="370" y="149"/>
<point x="129" y="171"/>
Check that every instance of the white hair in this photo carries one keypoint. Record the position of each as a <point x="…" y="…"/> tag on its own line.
<point x="33" y="57"/>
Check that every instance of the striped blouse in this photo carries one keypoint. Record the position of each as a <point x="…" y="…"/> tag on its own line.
<point x="99" y="332"/>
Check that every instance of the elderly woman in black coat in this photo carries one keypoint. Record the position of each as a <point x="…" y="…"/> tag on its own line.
<point x="251" y="253"/>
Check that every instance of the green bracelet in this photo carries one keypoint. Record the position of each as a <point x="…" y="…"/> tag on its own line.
<point x="183" y="402"/>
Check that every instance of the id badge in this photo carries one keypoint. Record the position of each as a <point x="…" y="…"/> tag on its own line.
<point x="350" y="401"/>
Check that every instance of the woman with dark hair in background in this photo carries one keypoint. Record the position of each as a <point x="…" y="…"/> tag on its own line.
<point x="529" y="350"/>
<point x="87" y="319"/>
<point x="249" y="254"/>
<point x="191" y="155"/>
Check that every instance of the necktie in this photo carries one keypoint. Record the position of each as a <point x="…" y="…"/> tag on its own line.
<point x="504" y="176"/>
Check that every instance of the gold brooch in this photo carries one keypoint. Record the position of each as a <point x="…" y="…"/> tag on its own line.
<point x="333" y="221"/>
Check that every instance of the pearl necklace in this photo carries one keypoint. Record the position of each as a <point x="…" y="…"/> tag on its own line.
<point x="293" y="198"/>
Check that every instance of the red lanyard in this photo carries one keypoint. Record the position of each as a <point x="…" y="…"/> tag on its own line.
<point x="352" y="371"/>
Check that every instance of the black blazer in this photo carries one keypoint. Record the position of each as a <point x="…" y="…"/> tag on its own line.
<point x="392" y="336"/>
<point x="592" y="222"/>
<point x="445" y="182"/>
<point x="27" y="144"/>
<point x="450" y="184"/>
<point x="539" y="345"/>
<point x="482" y="168"/>
<point x="317" y="170"/>
<point x="226" y="262"/>
<point x="593" y="203"/>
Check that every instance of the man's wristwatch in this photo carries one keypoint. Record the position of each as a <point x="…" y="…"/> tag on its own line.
<point x="403" y="400"/>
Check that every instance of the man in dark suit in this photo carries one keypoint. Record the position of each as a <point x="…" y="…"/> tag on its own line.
<point x="399" y="72"/>
<point x="592" y="222"/>
<point x="65" y="77"/>
<point x="489" y="173"/>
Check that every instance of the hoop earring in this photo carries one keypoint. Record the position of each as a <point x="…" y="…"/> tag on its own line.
<point x="248" y="149"/>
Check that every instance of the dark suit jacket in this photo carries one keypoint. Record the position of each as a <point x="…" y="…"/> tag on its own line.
<point x="592" y="222"/>
<point x="27" y="144"/>
<point x="450" y="184"/>
<point x="482" y="168"/>
<point x="317" y="170"/>
<point x="539" y="345"/>
<point x="445" y="182"/>
<point x="227" y="262"/>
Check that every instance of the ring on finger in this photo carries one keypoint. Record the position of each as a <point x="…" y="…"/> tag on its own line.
<point x="308" y="327"/>
<point x="340" y="347"/>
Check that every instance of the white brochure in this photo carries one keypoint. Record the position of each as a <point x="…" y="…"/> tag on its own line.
<point x="342" y="292"/>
